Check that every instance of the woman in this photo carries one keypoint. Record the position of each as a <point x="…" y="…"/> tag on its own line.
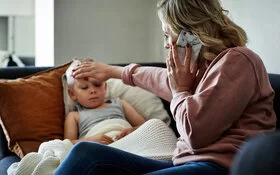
<point x="218" y="102"/>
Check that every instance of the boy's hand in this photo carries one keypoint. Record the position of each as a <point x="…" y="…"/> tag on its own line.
<point x="101" y="138"/>
<point x="125" y="132"/>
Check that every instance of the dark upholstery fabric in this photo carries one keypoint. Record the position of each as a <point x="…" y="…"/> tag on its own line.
<point x="17" y="72"/>
<point x="275" y="83"/>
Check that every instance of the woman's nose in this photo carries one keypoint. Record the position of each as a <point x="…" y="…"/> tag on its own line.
<point x="167" y="46"/>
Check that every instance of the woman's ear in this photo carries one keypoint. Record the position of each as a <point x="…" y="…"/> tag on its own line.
<point x="71" y="94"/>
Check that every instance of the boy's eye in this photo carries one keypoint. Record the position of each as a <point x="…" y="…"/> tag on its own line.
<point x="97" y="84"/>
<point x="84" y="87"/>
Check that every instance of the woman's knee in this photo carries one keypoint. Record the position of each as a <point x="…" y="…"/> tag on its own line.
<point x="86" y="147"/>
<point x="259" y="155"/>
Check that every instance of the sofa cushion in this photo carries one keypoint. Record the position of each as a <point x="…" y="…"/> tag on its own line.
<point x="32" y="110"/>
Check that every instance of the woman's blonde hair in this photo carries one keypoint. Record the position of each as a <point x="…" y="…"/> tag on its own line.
<point x="206" y="19"/>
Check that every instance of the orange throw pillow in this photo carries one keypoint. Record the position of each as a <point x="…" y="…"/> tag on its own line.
<point x="32" y="110"/>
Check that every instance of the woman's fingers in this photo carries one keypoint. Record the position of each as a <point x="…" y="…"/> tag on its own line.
<point x="169" y="63"/>
<point x="80" y="72"/>
<point x="181" y="71"/>
<point x="188" y="57"/>
<point x="85" y="69"/>
<point x="175" y="58"/>
<point x="84" y="65"/>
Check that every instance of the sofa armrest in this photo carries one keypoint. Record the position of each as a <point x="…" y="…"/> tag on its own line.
<point x="3" y="144"/>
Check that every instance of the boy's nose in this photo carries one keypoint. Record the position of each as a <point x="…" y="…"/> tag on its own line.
<point x="92" y="90"/>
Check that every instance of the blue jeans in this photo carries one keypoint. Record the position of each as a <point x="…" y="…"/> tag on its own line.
<point x="94" y="158"/>
<point x="259" y="156"/>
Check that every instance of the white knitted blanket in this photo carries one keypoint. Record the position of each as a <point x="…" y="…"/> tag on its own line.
<point x="45" y="161"/>
<point x="153" y="139"/>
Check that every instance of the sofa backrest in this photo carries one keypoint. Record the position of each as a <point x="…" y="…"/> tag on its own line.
<point x="16" y="72"/>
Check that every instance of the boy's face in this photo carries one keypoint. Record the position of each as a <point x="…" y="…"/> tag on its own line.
<point x="89" y="94"/>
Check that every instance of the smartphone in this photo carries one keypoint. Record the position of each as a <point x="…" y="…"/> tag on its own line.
<point x="184" y="38"/>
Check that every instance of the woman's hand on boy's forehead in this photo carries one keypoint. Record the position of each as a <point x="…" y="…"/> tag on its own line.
<point x="93" y="70"/>
<point x="81" y="69"/>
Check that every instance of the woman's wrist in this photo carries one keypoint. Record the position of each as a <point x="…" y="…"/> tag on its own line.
<point x="115" y="72"/>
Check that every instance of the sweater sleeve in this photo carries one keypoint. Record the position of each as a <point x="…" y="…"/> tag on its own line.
<point x="153" y="79"/>
<point x="219" y="100"/>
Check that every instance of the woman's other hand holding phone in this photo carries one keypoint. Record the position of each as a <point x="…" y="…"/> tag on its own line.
<point x="181" y="75"/>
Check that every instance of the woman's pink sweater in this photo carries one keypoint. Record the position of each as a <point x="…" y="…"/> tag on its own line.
<point x="232" y="102"/>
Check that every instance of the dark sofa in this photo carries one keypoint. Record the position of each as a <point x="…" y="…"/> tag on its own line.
<point x="7" y="157"/>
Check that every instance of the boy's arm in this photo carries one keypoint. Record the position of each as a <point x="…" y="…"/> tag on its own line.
<point x="71" y="126"/>
<point x="133" y="117"/>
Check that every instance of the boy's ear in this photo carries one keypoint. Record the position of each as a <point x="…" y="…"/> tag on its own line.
<point x="71" y="94"/>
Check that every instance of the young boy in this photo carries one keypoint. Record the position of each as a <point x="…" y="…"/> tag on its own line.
<point x="92" y="109"/>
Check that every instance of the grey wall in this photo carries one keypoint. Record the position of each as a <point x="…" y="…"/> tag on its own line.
<point x="260" y="19"/>
<point x="109" y="31"/>
<point x="3" y="33"/>
<point x="118" y="31"/>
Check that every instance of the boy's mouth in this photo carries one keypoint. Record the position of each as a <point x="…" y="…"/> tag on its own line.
<point x="93" y="98"/>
